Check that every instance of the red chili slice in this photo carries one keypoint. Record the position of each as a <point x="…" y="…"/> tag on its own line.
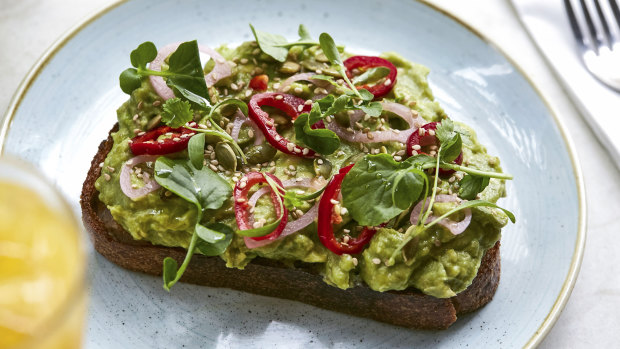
<point x="364" y="63"/>
<point x="148" y="143"/>
<point x="326" y="230"/>
<point x="291" y="105"/>
<point x="240" y="195"/>
<point x="427" y="140"/>
<point x="259" y="82"/>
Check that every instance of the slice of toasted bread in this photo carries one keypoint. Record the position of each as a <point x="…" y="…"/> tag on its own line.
<point x="408" y="308"/>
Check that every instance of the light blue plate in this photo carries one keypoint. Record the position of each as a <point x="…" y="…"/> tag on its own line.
<point x="67" y="105"/>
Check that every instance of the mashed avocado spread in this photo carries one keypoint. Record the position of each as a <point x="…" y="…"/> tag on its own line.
<point x="433" y="260"/>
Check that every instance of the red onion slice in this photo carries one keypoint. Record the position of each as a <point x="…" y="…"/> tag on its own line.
<point x="455" y="227"/>
<point x="291" y="227"/>
<point x="240" y="120"/>
<point x="304" y="77"/>
<point x="125" y="178"/>
<point x="220" y="71"/>
<point x="158" y="83"/>
<point x="380" y="136"/>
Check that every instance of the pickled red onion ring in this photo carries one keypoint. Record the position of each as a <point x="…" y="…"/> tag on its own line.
<point x="291" y="227"/>
<point x="454" y="227"/>
<point x="401" y="136"/>
<point x="220" y="71"/>
<point x="240" y="120"/>
<point x="125" y="178"/>
<point x="304" y="77"/>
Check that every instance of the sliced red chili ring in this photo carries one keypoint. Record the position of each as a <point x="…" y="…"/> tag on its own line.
<point x="425" y="140"/>
<point x="291" y="105"/>
<point x="242" y="207"/>
<point x="150" y="143"/>
<point x="325" y="227"/>
<point x="364" y="63"/>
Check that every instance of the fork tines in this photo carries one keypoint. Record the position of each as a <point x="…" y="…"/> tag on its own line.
<point x="602" y="30"/>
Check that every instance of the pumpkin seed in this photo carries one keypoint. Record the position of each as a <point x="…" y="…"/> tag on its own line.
<point x="322" y="167"/>
<point x="260" y="153"/>
<point x="226" y="156"/>
<point x="289" y="67"/>
<point x="153" y="122"/>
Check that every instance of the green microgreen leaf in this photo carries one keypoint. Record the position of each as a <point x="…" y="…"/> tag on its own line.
<point x="129" y="80"/>
<point x="365" y="94"/>
<point x="169" y="272"/>
<point x="176" y="113"/>
<point x="195" y="150"/>
<point x="209" y="235"/>
<point x="471" y="185"/>
<point x="371" y="75"/>
<point x="373" y="109"/>
<point x="217" y="247"/>
<point x="378" y="188"/>
<point x="268" y="44"/>
<point x="143" y="54"/>
<point x="304" y="34"/>
<point x="450" y="140"/>
<point x="202" y="187"/>
<point x="321" y="140"/>
<point x="186" y="70"/>
<point x="206" y="190"/>
<point x="330" y="50"/>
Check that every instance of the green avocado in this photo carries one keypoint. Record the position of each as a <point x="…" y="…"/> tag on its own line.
<point x="436" y="262"/>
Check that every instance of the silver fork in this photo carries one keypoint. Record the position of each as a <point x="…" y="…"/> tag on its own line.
<point x="599" y="44"/>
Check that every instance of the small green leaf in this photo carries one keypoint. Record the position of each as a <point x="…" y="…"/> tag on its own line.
<point x="218" y="247"/>
<point x="304" y="34"/>
<point x="445" y="130"/>
<point x="209" y="235"/>
<point x="170" y="267"/>
<point x="339" y="104"/>
<point x="129" y="80"/>
<point x="471" y="185"/>
<point x="268" y="44"/>
<point x="420" y="161"/>
<point x="330" y="50"/>
<point x="196" y="149"/>
<point x="451" y="143"/>
<point x="186" y="70"/>
<point x="176" y="113"/>
<point x="366" y="95"/>
<point x="378" y="188"/>
<point x="323" y="141"/>
<point x="371" y="75"/>
<point x="373" y="109"/>
<point x="145" y="53"/>
<point x="201" y="187"/>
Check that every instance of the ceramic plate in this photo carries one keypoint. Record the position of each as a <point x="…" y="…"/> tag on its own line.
<point x="67" y="105"/>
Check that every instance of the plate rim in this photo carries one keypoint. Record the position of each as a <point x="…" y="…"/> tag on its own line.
<point x="575" y="265"/>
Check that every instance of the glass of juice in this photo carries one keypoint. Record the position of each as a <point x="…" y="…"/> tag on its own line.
<point x="42" y="263"/>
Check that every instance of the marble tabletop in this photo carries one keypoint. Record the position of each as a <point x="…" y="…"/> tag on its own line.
<point x="590" y="319"/>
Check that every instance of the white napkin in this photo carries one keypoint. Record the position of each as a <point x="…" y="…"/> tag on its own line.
<point x="548" y="24"/>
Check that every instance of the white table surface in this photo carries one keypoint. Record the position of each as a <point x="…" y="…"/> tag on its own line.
<point x="591" y="318"/>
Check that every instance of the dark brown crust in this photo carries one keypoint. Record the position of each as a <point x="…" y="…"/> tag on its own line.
<point x="408" y="308"/>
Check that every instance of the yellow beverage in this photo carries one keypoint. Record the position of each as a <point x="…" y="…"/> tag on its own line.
<point x="42" y="294"/>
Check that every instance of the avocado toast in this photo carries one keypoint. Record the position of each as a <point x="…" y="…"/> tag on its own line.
<point x="346" y="149"/>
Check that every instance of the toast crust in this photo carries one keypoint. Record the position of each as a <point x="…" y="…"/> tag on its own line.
<point x="409" y="308"/>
